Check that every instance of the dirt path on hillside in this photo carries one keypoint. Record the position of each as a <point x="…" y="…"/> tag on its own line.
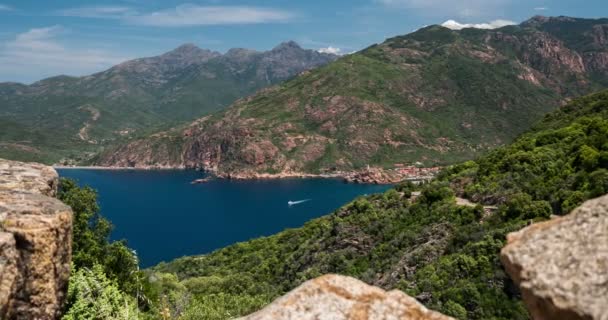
<point x="83" y="133"/>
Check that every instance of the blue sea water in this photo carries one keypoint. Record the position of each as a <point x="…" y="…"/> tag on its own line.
<point x="162" y="216"/>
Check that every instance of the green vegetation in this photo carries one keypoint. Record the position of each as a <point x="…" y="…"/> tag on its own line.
<point x="444" y="254"/>
<point x="558" y="164"/>
<point x="91" y="246"/>
<point x="105" y="282"/>
<point x="92" y="296"/>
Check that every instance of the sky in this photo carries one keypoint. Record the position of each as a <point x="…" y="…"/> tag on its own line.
<point x="39" y="39"/>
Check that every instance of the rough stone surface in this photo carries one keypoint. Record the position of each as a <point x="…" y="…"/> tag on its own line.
<point x="35" y="242"/>
<point x="334" y="297"/>
<point x="561" y="265"/>
<point x="8" y="269"/>
<point x="29" y="177"/>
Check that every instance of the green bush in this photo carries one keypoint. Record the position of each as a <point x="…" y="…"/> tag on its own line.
<point x="91" y="295"/>
<point x="97" y="260"/>
<point x="91" y="243"/>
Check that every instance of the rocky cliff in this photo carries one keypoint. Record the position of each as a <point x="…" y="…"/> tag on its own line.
<point x="35" y="242"/>
<point x="334" y="297"/>
<point x="561" y="265"/>
<point x="437" y="96"/>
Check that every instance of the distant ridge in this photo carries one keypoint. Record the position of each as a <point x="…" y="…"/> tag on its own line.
<point x="44" y="121"/>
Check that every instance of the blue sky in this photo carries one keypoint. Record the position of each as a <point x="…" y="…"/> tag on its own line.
<point x="39" y="39"/>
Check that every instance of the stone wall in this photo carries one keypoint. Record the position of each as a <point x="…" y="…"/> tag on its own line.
<point x="561" y="265"/>
<point x="35" y="242"/>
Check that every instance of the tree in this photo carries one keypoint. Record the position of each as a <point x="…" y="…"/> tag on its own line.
<point x="91" y="245"/>
<point x="91" y="295"/>
<point x="90" y="230"/>
<point x="598" y="181"/>
<point x="589" y="157"/>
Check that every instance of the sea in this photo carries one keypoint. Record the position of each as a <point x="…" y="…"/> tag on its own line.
<point x="163" y="216"/>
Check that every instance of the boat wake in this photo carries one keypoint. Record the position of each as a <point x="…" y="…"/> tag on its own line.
<point x="293" y="203"/>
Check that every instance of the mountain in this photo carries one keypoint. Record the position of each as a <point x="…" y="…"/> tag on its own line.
<point x="436" y="96"/>
<point x="422" y="240"/>
<point x="70" y="117"/>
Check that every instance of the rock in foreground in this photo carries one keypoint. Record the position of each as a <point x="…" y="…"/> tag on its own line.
<point x="333" y="297"/>
<point x="561" y="265"/>
<point x="35" y="242"/>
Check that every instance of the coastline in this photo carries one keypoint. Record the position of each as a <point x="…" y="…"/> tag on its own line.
<point x="115" y="168"/>
<point x="364" y="176"/>
<point x="285" y="175"/>
<point x="369" y="176"/>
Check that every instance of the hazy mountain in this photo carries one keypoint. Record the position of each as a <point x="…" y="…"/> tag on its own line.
<point x="64" y="116"/>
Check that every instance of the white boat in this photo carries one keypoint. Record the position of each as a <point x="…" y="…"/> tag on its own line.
<point x="291" y="203"/>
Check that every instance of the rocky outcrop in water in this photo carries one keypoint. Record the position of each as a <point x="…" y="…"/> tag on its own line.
<point x="561" y="265"/>
<point x="334" y="297"/>
<point x="35" y="242"/>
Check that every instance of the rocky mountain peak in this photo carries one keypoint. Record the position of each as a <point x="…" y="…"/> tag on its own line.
<point x="190" y="51"/>
<point x="536" y="19"/>
<point x="172" y="61"/>
<point x="186" y="47"/>
<point x="288" y="45"/>
<point x="539" y="20"/>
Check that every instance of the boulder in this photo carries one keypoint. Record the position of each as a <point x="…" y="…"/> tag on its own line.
<point x="561" y="265"/>
<point x="28" y="177"/>
<point x="35" y="242"/>
<point x="334" y="297"/>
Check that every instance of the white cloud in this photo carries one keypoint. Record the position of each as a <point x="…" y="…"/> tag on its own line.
<point x="331" y="50"/>
<point x="462" y="8"/>
<point x="183" y="15"/>
<point x="4" y="7"/>
<point x="104" y="12"/>
<point x="194" y="15"/>
<point x="455" y="25"/>
<point x="40" y="53"/>
<point x="541" y="8"/>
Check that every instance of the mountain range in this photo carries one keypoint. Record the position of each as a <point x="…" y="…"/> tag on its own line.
<point x="73" y="117"/>
<point x="436" y="96"/>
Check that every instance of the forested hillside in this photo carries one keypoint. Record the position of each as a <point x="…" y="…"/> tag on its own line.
<point x="444" y="253"/>
<point x="435" y="96"/>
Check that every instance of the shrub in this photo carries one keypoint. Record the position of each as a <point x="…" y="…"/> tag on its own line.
<point x="91" y="295"/>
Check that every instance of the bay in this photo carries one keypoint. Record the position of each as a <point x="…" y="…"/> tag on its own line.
<point x="163" y="216"/>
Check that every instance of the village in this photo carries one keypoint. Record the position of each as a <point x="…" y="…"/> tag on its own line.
<point x="400" y="172"/>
